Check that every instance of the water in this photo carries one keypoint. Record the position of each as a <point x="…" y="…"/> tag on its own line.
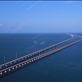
<point x="64" y="66"/>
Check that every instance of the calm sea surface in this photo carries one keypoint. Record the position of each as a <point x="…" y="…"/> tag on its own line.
<point x="64" y="66"/>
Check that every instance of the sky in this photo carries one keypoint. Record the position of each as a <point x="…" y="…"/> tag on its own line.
<point x="40" y="16"/>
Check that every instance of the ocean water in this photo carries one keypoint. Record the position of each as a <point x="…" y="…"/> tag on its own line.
<point x="64" y="66"/>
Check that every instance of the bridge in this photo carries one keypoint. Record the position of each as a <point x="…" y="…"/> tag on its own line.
<point x="18" y="63"/>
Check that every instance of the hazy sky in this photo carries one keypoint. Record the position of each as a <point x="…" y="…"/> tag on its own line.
<point x="40" y="17"/>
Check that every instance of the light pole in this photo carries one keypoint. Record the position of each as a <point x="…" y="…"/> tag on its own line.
<point x="4" y="59"/>
<point x="16" y="55"/>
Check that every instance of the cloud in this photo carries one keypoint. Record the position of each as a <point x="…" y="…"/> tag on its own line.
<point x="31" y="6"/>
<point x="1" y="25"/>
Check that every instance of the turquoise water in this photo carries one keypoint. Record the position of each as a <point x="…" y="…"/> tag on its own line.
<point x="64" y="66"/>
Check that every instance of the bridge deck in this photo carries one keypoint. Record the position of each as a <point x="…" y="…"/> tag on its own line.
<point x="30" y="58"/>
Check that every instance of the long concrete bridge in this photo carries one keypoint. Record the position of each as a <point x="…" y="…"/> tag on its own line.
<point x="20" y="62"/>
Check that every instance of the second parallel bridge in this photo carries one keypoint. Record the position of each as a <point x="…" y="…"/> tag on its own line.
<point x="6" y="69"/>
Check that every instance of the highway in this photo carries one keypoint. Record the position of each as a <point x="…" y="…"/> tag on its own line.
<point x="32" y="54"/>
<point x="20" y="62"/>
